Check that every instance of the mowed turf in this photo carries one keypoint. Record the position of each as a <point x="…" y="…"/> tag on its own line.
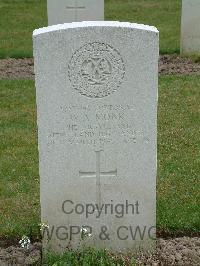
<point x="18" y="19"/>
<point x="178" y="207"/>
<point x="178" y="197"/>
<point x="19" y="182"/>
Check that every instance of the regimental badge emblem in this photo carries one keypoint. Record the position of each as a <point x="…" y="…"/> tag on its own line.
<point x="96" y="70"/>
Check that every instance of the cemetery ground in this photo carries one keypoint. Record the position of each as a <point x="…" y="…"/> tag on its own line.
<point x="165" y="15"/>
<point x="178" y="166"/>
<point x="178" y="205"/>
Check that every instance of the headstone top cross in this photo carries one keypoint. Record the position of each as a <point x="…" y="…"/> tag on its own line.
<point x="75" y="8"/>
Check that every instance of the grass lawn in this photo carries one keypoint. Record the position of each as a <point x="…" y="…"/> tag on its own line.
<point x="19" y="183"/>
<point x="178" y="156"/>
<point x="18" y="18"/>
<point x="88" y="257"/>
<point x="178" y="192"/>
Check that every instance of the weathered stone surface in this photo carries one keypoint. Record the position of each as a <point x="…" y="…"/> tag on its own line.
<point x="96" y="86"/>
<point x="63" y="11"/>
<point x="190" y="29"/>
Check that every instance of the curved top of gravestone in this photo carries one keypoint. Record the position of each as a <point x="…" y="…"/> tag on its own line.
<point x="84" y="24"/>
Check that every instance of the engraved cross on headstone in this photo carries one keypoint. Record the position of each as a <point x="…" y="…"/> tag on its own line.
<point x="98" y="174"/>
<point x="75" y="8"/>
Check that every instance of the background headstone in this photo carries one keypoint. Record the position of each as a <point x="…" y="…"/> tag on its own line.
<point x="190" y="27"/>
<point x="96" y="86"/>
<point x="63" y="11"/>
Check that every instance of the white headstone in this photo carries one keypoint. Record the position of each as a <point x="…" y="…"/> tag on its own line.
<point x="64" y="11"/>
<point x="96" y="86"/>
<point x="190" y="27"/>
